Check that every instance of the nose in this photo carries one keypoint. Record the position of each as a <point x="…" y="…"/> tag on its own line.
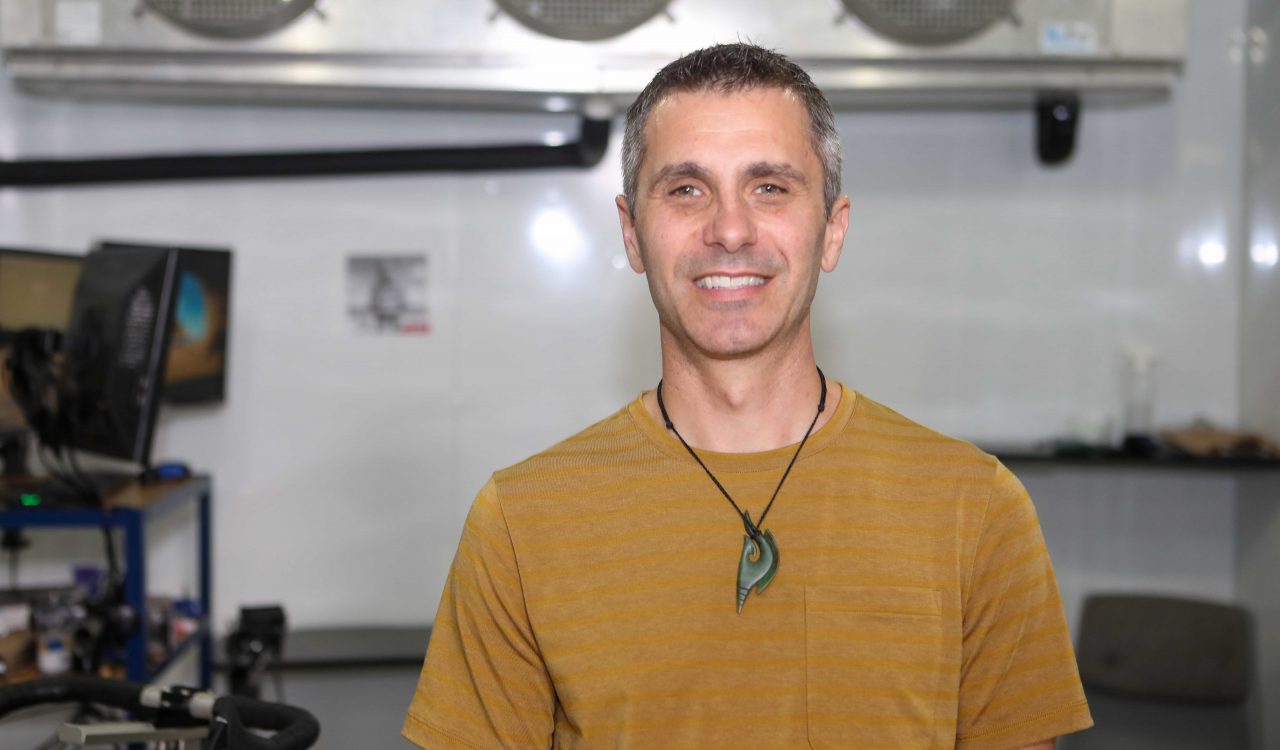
<point x="731" y="225"/>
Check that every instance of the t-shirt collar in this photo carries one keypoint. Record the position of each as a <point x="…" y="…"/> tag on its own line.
<point x="778" y="458"/>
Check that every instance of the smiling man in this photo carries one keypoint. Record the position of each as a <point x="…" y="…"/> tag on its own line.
<point x="890" y="585"/>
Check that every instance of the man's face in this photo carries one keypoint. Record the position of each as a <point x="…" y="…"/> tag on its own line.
<point x="730" y="226"/>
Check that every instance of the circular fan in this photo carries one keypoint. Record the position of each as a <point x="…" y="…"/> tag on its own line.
<point x="930" y="21"/>
<point x="583" y="20"/>
<point x="230" y="19"/>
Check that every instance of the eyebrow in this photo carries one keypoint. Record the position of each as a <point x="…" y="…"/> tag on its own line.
<point x="684" y="169"/>
<point x="756" y="170"/>
<point x="776" y="169"/>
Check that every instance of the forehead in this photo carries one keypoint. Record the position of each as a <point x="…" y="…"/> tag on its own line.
<point x="746" y="126"/>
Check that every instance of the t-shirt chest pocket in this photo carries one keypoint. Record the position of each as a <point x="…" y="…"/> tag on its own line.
<point x="875" y="664"/>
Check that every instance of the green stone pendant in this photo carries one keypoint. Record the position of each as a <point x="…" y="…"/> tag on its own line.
<point x="759" y="561"/>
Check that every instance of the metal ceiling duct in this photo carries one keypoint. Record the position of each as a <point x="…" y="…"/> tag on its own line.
<point x="230" y="19"/>
<point x="574" y="54"/>
<point x="930" y="21"/>
<point x="583" y="20"/>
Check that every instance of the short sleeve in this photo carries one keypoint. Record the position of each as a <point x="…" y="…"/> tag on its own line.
<point x="1019" y="682"/>
<point x="484" y="684"/>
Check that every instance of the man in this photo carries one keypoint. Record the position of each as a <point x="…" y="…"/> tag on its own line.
<point x="891" y="587"/>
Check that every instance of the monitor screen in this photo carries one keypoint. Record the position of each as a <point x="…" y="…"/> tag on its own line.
<point x="115" y="351"/>
<point x="36" y="289"/>
<point x="196" y="368"/>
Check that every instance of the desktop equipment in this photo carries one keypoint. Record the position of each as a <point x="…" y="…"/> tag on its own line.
<point x="115" y="352"/>
<point x="36" y="289"/>
<point x="96" y="388"/>
<point x="36" y="293"/>
<point x="196" y="369"/>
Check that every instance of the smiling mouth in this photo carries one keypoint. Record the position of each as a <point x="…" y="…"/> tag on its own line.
<point x="729" y="282"/>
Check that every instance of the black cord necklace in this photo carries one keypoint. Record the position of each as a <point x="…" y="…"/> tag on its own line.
<point x="759" y="561"/>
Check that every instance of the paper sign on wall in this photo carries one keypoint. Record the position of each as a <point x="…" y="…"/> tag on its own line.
<point x="387" y="294"/>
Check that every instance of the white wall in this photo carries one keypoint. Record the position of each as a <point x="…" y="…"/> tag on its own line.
<point x="979" y="293"/>
<point x="1136" y="530"/>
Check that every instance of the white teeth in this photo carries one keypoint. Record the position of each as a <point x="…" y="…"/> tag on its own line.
<point x="728" y="282"/>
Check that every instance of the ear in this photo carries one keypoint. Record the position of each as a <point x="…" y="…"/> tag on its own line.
<point x="628" y="225"/>
<point x="833" y="237"/>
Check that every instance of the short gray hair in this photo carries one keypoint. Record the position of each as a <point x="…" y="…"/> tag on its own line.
<point x="727" y="68"/>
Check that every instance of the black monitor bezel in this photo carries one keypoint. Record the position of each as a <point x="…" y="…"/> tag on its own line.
<point x="144" y="437"/>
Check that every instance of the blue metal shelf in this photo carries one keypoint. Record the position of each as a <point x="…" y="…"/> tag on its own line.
<point x="129" y="510"/>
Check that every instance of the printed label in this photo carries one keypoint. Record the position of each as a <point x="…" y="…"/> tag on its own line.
<point x="1068" y="38"/>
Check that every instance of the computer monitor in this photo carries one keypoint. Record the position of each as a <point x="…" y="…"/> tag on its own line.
<point x="36" y="289"/>
<point x="115" y="351"/>
<point x="196" y="370"/>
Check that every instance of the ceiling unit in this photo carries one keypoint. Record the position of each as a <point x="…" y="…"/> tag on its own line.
<point x="588" y="55"/>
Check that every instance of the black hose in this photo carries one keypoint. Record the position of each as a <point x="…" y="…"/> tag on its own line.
<point x="70" y="689"/>
<point x="593" y="141"/>
<point x="295" y="729"/>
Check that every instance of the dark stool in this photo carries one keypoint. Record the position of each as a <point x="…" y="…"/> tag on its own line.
<point x="1163" y="672"/>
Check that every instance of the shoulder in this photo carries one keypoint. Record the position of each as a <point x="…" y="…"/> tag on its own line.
<point x="597" y="470"/>
<point x="996" y="498"/>
<point x="881" y="432"/>
<point x="602" y="447"/>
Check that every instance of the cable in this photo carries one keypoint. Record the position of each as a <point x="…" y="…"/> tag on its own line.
<point x="114" y="576"/>
<point x="59" y="473"/>
<point x="85" y="480"/>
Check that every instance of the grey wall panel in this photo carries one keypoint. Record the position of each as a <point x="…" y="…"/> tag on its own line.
<point x="1259" y="546"/>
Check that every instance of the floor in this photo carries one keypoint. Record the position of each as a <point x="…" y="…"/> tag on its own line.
<point x="357" y="707"/>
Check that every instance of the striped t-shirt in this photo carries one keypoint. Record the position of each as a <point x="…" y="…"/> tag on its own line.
<point x="592" y="601"/>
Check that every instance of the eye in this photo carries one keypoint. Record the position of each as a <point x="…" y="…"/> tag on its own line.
<point x="771" y="189"/>
<point x="686" y="191"/>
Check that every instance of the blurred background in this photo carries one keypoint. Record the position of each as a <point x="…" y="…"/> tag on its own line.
<point x="1064" y="234"/>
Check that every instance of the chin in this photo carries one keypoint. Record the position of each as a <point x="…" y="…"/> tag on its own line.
<point x="732" y="340"/>
<point x="731" y="347"/>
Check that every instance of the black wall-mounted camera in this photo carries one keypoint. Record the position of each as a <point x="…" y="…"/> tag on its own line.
<point x="1057" y="121"/>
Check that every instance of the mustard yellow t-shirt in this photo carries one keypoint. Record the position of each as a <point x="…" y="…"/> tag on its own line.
<point x="592" y="601"/>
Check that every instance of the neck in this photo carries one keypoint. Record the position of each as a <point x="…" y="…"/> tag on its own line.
<point x="742" y="406"/>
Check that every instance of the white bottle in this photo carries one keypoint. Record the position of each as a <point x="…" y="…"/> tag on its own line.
<point x="1139" y="392"/>
<point x="53" y="656"/>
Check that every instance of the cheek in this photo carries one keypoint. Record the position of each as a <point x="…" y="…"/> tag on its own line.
<point x="800" y="243"/>
<point x="663" y="249"/>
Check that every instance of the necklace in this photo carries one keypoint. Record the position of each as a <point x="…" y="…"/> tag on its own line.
<point x="759" y="561"/>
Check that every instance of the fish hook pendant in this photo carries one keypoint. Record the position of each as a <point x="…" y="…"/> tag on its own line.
<point x="759" y="561"/>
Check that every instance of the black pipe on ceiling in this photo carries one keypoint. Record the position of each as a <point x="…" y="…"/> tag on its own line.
<point x="586" y="152"/>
